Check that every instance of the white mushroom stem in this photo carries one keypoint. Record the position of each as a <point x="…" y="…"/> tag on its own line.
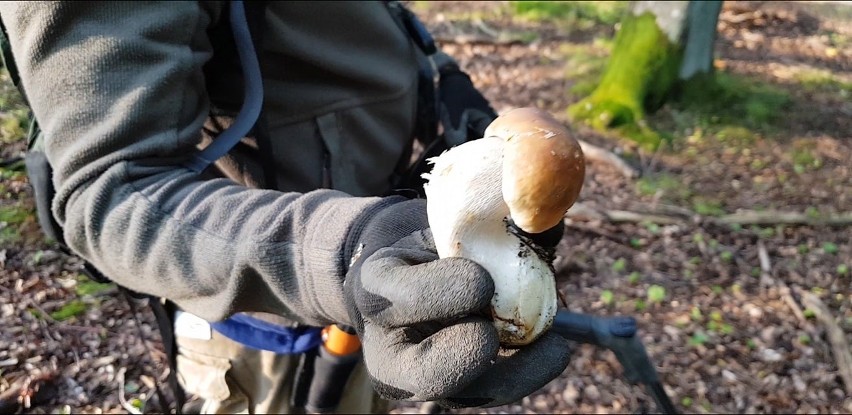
<point x="467" y="194"/>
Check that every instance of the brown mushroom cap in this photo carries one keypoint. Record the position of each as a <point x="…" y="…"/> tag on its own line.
<point x="543" y="167"/>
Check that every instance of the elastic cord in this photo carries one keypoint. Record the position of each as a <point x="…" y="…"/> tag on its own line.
<point x="252" y="99"/>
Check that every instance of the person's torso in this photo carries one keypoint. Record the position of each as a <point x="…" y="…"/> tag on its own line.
<point x="340" y="99"/>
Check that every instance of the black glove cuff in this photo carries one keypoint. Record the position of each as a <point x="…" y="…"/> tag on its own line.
<point x="360" y="224"/>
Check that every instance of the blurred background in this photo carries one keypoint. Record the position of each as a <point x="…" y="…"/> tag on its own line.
<point x="716" y="209"/>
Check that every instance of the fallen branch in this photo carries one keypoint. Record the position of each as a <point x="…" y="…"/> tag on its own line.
<point x="750" y="217"/>
<point x="471" y="39"/>
<point x="674" y="215"/>
<point x="836" y="338"/>
<point x="602" y="155"/>
<point x="583" y="211"/>
<point x="636" y="217"/>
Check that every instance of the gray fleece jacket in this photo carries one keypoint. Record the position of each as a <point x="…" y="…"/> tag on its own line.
<point x="120" y="92"/>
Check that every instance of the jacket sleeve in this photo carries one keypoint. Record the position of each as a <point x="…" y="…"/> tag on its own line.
<point x="118" y="90"/>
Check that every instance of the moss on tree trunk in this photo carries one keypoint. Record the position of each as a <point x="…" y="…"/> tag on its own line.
<point x="641" y="72"/>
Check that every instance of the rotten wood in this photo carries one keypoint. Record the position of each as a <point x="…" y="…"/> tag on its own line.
<point x="836" y="337"/>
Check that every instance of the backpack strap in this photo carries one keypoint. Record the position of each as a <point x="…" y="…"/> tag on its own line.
<point x="252" y="95"/>
<point x="9" y="60"/>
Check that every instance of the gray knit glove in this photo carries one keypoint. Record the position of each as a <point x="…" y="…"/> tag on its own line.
<point x="422" y="320"/>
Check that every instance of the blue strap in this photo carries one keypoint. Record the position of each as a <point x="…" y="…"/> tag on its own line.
<point x="261" y="335"/>
<point x="252" y="94"/>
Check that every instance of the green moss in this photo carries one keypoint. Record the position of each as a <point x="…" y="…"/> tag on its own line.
<point x="726" y="99"/>
<point x="823" y="81"/>
<point x="578" y="14"/>
<point x="14" y="215"/>
<point x="641" y="71"/>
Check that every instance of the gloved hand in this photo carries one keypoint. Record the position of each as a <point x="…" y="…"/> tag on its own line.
<point x="422" y="320"/>
<point x="464" y="112"/>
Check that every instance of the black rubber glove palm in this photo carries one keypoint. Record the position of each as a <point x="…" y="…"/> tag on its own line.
<point x="422" y="325"/>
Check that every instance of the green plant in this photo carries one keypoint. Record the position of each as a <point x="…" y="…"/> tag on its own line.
<point x="89" y="287"/>
<point x="715" y="315"/>
<point x="698" y="338"/>
<point x="71" y="309"/>
<point x="656" y="294"/>
<point x="686" y="401"/>
<point x="804" y="339"/>
<point x="726" y="256"/>
<point x="751" y="344"/>
<point x="652" y="227"/>
<point x="619" y="265"/>
<point x="829" y="248"/>
<point x="633" y="278"/>
<point x="843" y="269"/>
<point x="607" y="297"/>
<point x="14" y="215"/>
<point x="707" y="207"/>
<point x="665" y="183"/>
<point x="736" y="289"/>
<point x="695" y="313"/>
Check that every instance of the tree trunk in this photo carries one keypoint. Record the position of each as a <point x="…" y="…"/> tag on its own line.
<point x="659" y="45"/>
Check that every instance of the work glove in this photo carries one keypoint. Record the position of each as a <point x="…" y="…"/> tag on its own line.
<point x="423" y="320"/>
<point x="463" y="111"/>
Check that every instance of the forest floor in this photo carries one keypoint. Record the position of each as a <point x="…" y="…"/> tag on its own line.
<point x="728" y="311"/>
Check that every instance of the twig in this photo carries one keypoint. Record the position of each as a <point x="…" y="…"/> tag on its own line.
<point x="485" y="29"/>
<point x="765" y="265"/>
<point x="121" y="399"/>
<point x="582" y="210"/>
<point x="766" y="279"/>
<point x="628" y="216"/>
<point x="10" y="161"/>
<point x="839" y="347"/>
<point x="675" y="215"/>
<point x="470" y="39"/>
<point x="750" y="217"/>
<point x="599" y="154"/>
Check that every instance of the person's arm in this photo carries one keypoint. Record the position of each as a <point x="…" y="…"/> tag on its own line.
<point x="118" y="90"/>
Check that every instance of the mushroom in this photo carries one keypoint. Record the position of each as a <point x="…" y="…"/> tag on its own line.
<point x="527" y="168"/>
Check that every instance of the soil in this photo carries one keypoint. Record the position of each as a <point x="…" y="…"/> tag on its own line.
<point x="724" y="339"/>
